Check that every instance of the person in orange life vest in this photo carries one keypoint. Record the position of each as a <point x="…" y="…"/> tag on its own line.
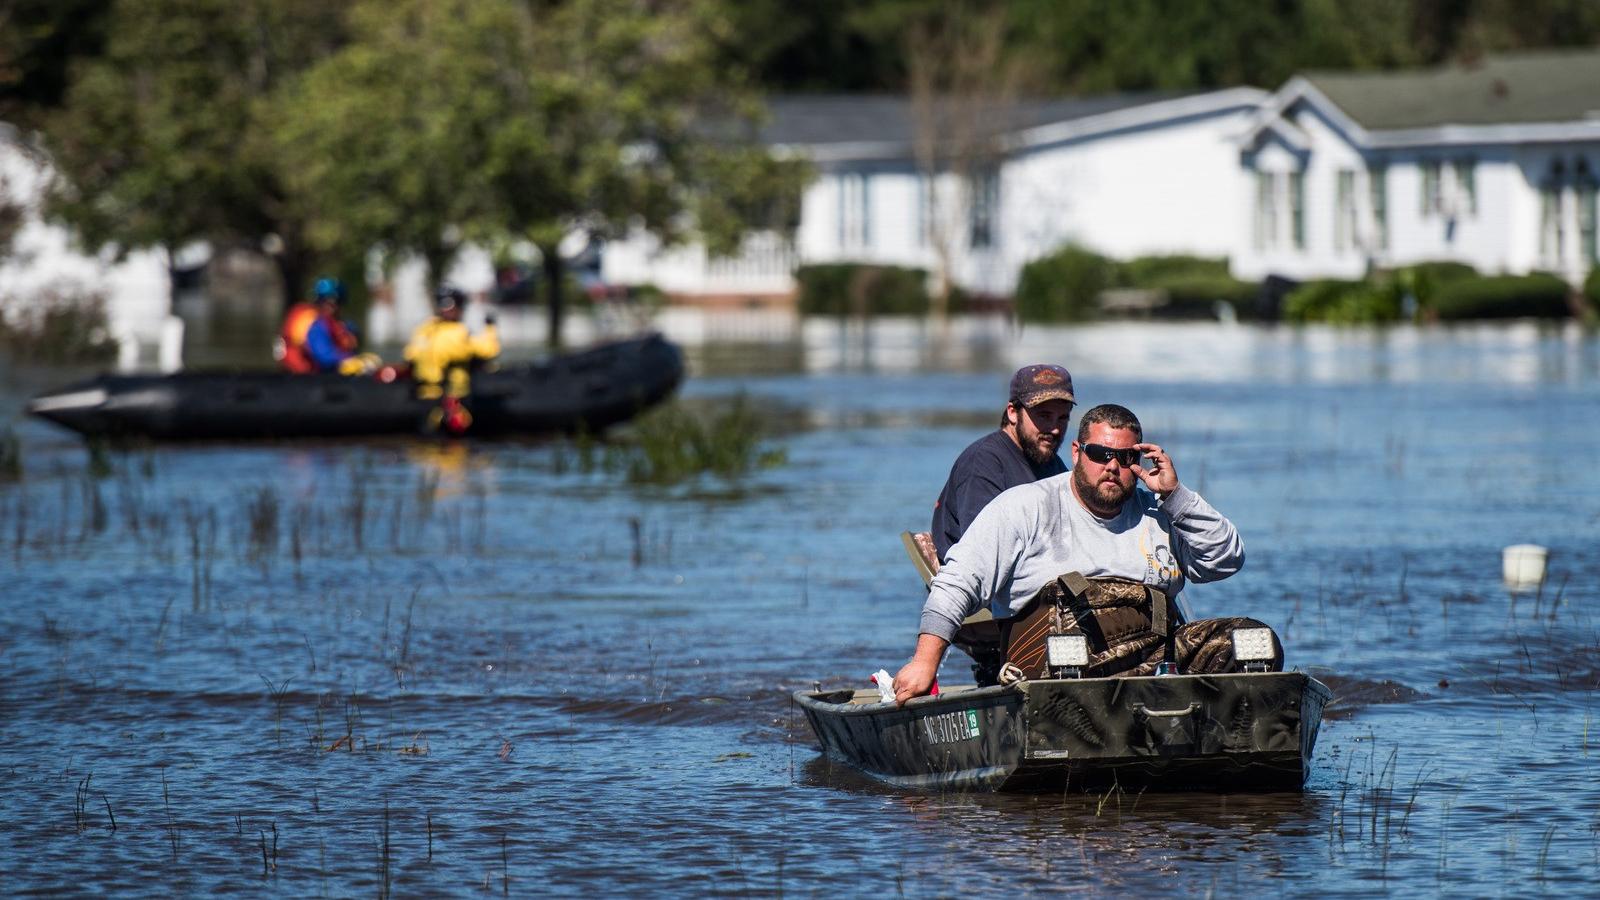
<point x="314" y="338"/>
<point x="442" y="349"/>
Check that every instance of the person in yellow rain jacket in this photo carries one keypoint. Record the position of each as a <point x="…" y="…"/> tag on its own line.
<point x="442" y="350"/>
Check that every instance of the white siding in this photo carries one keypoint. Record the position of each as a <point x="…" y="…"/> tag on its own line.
<point x="1173" y="187"/>
<point x="44" y="259"/>
<point x="1498" y="226"/>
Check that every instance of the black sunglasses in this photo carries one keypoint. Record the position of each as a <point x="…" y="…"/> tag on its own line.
<point x="1101" y="454"/>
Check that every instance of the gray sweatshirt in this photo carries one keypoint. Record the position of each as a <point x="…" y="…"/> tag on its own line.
<point x="1036" y="532"/>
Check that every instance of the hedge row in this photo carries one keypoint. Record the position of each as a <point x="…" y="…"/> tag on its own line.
<point x="1539" y="295"/>
<point x="1443" y="291"/>
<point x="1066" y="285"/>
<point x="858" y="289"/>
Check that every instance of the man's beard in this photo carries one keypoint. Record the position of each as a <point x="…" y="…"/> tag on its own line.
<point x="1036" y="454"/>
<point x="1105" y="497"/>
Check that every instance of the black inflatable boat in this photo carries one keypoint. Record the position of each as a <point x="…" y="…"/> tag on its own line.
<point x="583" y="391"/>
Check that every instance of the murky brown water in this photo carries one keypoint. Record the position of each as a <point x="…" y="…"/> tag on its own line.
<point x="523" y="697"/>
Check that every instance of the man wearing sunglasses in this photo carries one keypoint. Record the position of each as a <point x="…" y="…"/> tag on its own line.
<point x="1022" y="451"/>
<point x="1120" y="515"/>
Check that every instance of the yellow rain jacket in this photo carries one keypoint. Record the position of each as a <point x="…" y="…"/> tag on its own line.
<point x="440" y="352"/>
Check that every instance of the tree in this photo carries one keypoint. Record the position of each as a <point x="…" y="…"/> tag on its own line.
<point x="161" y="139"/>
<point x="500" y="120"/>
<point x="964" y="84"/>
<point x="39" y="42"/>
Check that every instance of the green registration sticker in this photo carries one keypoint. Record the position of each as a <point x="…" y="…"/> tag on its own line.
<point x="972" y="721"/>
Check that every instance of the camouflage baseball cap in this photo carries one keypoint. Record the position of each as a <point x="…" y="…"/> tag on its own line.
<point x="1033" y="385"/>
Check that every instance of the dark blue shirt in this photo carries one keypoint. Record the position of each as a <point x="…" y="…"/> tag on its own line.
<point x="991" y="464"/>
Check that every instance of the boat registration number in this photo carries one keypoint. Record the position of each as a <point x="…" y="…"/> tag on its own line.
<point x="950" y="727"/>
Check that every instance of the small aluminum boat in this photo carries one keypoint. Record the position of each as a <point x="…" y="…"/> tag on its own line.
<point x="1252" y="731"/>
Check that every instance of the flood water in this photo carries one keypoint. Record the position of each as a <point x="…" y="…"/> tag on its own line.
<point x="423" y="668"/>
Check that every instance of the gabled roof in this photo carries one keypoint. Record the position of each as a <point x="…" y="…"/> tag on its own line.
<point x="881" y="127"/>
<point x="1516" y="98"/>
<point x="1544" y="86"/>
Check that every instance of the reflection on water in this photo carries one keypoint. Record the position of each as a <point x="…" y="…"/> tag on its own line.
<point x="430" y="667"/>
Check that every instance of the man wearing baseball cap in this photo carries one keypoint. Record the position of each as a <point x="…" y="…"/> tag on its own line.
<point x="1022" y="451"/>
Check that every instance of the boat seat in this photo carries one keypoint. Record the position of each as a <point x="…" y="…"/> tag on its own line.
<point x="919" y="547"/>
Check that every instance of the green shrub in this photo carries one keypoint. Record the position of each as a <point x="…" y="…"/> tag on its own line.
<point x="1064" y="286"/>
<point x="1540" y="295"/>
<point x="1591" y="294"/>
<point x="1344" y="302"/>
<point x="1423" y="280"/>
<point x="671" y="444"/>
<point x="647" y="296"/>
<point x="1161" y="271"/>
<point x="840" y="289"/>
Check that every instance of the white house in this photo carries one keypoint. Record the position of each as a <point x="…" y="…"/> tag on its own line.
<point x="42" y="264"/>
<point x="1493" y="164"/>
<point x="1125" y="175"/>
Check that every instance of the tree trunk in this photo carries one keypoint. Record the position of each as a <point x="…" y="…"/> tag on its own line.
<point x="550" y="261"/>
<point x="293" y="264"/>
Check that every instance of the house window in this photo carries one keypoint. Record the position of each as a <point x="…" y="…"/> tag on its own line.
<point x="1297" y="208"/>
<point x="1584" y="183"/>
<point x="1466" y="179"/>
<point x="1344" y="215"/>
<point x="1551" y="236"/>
<point x="1430" y="188"/>
<point x="855" y="207"/>
<point x="1266" y="212"/>
<point x="985" y="206"/>
<point x="1378" y="185"/>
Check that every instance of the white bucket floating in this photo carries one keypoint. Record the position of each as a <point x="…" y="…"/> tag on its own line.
<point x="1524" y="566"/>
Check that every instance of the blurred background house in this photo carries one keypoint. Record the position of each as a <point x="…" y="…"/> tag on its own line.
<point x="1493" y="164"/>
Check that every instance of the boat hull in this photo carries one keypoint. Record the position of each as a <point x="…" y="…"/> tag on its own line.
<point x="585" y="391"/>
<point x="1250" y="732"/>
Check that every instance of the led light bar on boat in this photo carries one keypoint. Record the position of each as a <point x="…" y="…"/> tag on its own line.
<point x="1253" y="645"/>
<point x="1067" y="651"/>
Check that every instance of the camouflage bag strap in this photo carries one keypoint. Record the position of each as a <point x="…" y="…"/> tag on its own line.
<point x="1060" y="607"/>
<point x="1159" y="604"/>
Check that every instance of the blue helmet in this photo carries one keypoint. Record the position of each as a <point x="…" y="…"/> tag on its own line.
<point x="329" y="289"/>
<point x="448" y="297"/>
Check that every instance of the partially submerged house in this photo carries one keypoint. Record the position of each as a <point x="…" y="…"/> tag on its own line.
<point x="1125" y="175"/>
<point x="1494" y="164"/>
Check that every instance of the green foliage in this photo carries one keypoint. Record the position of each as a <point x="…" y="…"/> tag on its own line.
<point x="1344" y="302"/>
<point x="1193" y="285"/>
<point x="1424" y="280"/>
<point x="1064" y="286"/>
<point x="841" y="289"/>
<point x="1442" y="290"/>
<point x="1540" y="295"/>
<point x="40" y="40"/>
<point x="56" y="327"/>
<point x="1159" y="271"/>
<point x="672" y="444"/>
<point x="1591" y="293"/>
<point x="1092" y="46"/>
<point x="162" y="137"/>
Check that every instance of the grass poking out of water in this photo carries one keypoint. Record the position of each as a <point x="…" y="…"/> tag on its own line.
<point x="674" y="444"/>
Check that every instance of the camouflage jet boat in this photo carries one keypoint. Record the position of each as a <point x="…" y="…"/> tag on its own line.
<point x="1251" y="731"/>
